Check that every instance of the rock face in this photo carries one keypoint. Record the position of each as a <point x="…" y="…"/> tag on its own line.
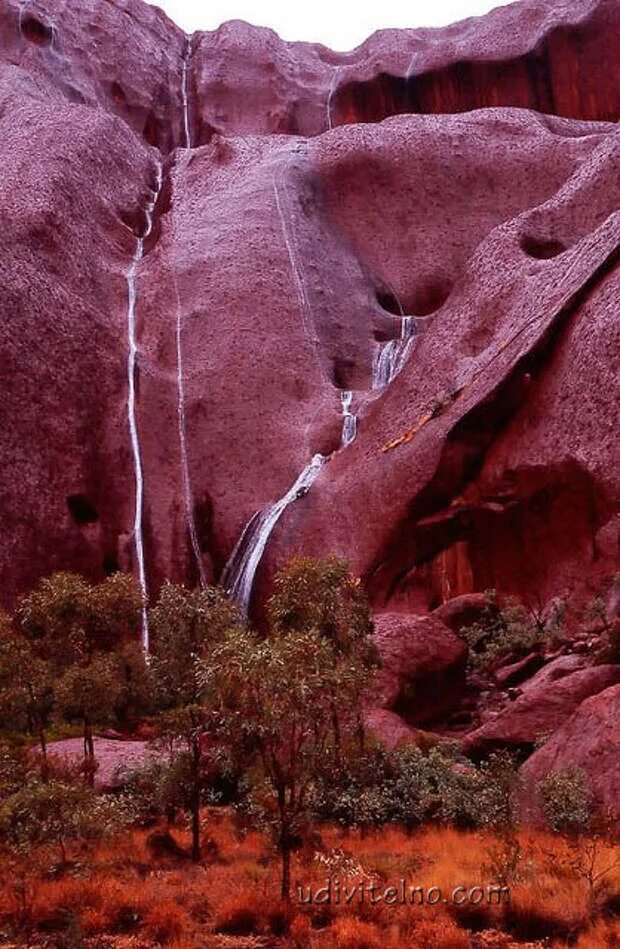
<point x="545" y="703"/>
<point x="388" y="728"/>
<point x="589" y="740"/>
<point x="462" y="611"/>
<point x="288" y="241"/>
<point x="423" y="666"/>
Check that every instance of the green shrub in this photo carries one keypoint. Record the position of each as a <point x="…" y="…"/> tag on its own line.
<point x="566" y="800"/>
<point x="505" y="630"/>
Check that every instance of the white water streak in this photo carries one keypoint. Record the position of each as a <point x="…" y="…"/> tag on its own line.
<point x="184" y="97"/>
<point x="330" y="95"/>
<point x="292" y="256"/>
<point x="188" y="496"/>
<point x="23" y="4"/>
<point x="393" y="355"/>
<point x="239" y="573"/>
<point x="132" y="297"/>
<point x="349" y="419"/>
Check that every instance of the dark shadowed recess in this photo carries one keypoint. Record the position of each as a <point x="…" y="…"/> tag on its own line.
<point x="537" y="506"/>
<point x="575" y="73"/>
<point x="37" y="32"/>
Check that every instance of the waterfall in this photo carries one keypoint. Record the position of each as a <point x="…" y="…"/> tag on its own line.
<point x="188" y="495"/>
<point x="349" y="420"/>
<point x="22" y="9"/>
<point x="238" y="576"/>
<point x="132" y="297"/>
<point x="304" y="306"/>
<point x="184" y="97"/>
<point x="330" y="95"/>
<point x="393" y="356"/>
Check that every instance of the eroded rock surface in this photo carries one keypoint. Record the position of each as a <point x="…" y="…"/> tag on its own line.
<point x="543" y="706"/>
<point x="423" y="666"/>
<point x="588" y="740"/>
<point x="289" y="240"/>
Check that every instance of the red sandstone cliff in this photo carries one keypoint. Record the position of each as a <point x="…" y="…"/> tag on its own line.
<point x="285" y="244"/>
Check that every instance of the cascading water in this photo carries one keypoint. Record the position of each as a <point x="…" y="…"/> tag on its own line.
<point x="238" y="576"/>
<point x="20" y="13"/>
<point x="304" y="306"/>
<point x="330" y="95"/>
<point x="393" y="356"/>
<point x="349" y="420"/>
<point x="184" y="96"/>
<point x="188" y="495"/>
<point x="132" y="297"/>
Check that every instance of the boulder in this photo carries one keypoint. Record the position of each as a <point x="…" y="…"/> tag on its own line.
<point x="463" y="610"/>
<point x="590" y="740"/>
<point x="388" y="728"/>
<point x="423" y="672"/>
<point x="516" y="672"/>
<point x="545" y="704"/>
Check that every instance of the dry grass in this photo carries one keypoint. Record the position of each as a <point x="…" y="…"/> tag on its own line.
<point x="232" y="899"/>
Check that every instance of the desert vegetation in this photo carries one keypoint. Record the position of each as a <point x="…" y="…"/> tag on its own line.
<point x="263" y="789"/>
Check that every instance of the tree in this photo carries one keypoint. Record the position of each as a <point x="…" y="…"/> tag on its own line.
<point x="86" y="636"/>
<point x="568" y="807"/>
<point x="275" y="696"/>
<point x="14" y="767"/>
<point x="115" y="612"/>
<point x="91" y="693"/>
<point x="138" y="685"/>
<point x="26" y="685"/>
<point x="322" y="596"/>
<point x="55" y="617"/>
<point x="566" y="800"/>
<point x="496" y="809"/>
<point x="186" y="625"/>
<point x="69" y="619"/>
<point x="55" y="812"/>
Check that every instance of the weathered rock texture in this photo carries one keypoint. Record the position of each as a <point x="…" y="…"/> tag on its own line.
<point x="544" y="705"/>
<point x="422" y="675"/>
<point x="286" y="240"/>
<point x="588" y="740"/>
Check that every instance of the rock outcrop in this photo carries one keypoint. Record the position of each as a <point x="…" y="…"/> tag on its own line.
<point x="422" y="675"/>
<point x="292" y="230"/>
<point x="544" y="705"/>
<point x="588" y="740"/>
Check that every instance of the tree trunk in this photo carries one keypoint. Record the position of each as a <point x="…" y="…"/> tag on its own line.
<point x="284" y="845"/>
<point x="89" y="753"/>
<point x="44" y="763"/>
<point x="361" y="734"/>
<point x="337" y="737"/>
<point x="196" y="829"/>
<point x="195" y="800"/>
<point x="286" y="873"/>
